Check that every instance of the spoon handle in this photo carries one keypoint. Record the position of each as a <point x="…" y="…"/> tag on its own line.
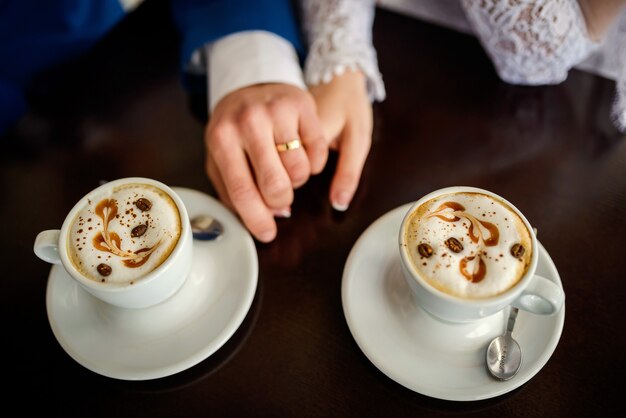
<point x="512" y="318"/>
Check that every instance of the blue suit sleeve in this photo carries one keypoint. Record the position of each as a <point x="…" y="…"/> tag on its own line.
<point x="204" y="21"/>
<point x="36" y="35"/>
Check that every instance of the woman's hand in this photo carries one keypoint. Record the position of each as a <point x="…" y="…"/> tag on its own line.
<point x="600" y="15"/>
<point x="346" y="115"/>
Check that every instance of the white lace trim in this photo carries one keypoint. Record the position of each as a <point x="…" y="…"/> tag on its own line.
<point x="339" y="38"/>
<point x="618" y="114"/>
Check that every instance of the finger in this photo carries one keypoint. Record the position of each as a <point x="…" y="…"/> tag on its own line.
<point x="217" y="182"/>
<point x="232" y="165"/>
<point x="295" y="161"/>
<point x="220" y="188"/>
<point x="312" y="136"/>
<point x="353" y="149"/>
<point x="271" y="176"/>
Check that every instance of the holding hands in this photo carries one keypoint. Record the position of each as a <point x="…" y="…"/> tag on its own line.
<point x="243" y="161"/>
<point x="266" y="140"/>
<point x="274" y="118"/>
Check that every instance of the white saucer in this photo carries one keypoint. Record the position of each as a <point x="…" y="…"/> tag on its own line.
<point x="175" y="335"/>
<point x="398" y="338"/>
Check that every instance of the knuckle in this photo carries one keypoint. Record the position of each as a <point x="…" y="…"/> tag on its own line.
<point x="251" y="115"/>
<point x="298" y="173"/>
<point x="307" y="102"/>
<point x="279" y="105"/>
<point x="298" y="100"/>
<point x="317" y="143"/>
<point x="241" y="191"/>
<point x="299" y="179"/>
<point x="219" y="135"/>
<point x="275" y="185"/>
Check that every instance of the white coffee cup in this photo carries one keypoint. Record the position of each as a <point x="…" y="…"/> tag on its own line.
<point x="147" y="290"/>
<point x="531" y="293"/>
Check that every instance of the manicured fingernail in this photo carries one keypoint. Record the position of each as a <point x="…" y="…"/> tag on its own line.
<point x="341" y="202"/>
<point x="282" y="213"/>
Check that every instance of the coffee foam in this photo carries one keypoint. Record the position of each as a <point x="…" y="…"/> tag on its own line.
<point x="101" y="233"/>
<point x="486" y="228"/>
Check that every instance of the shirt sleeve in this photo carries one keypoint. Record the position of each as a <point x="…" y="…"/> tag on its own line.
<point x="248" y="58"/>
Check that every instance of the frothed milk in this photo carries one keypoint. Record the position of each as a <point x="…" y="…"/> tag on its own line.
<point x="123" y="233"/>
<point x="468" y="245"/>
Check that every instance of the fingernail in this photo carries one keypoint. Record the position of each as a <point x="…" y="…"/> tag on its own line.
<point x="282" y="213"/>
<point x="341" y="202"/>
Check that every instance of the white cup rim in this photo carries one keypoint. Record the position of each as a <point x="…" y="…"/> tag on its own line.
<point x="143" y="280"/>
<point x="510" y="293"/>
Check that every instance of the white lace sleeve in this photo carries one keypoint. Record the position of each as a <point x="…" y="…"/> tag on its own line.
<point x="531" y="41"/>
<point x="539" y="41"/>
<point x="339" y="37"/>
<point x="619" y="107"/>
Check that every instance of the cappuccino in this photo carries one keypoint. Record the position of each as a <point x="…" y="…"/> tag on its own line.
<point x="468" y="244"/>
<point x="123" y="233"/>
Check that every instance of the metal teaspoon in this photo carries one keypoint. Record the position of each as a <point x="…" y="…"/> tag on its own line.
<point x="206" y="228"/>
<point x="504" y="355"/>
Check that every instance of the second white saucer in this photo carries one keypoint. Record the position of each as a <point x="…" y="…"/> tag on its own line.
<point x="416" y="351"/>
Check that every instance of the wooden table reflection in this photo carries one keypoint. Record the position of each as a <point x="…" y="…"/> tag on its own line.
<point x="448" y="120"/>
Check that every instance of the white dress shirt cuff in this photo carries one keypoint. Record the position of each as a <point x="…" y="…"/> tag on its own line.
<point x="247" y="58"/>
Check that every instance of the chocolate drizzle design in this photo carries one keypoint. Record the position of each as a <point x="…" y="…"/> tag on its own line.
<point x="110" y="241"/>
<point x="473" y="267"/>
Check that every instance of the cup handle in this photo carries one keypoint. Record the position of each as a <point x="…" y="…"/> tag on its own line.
<point x="542" y="296"/>
<point x="47" y="246"/>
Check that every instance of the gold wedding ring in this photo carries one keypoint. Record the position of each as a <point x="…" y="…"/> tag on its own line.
<point x="293" y="144"/>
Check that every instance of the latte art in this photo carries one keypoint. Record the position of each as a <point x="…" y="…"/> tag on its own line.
<point x="124" y="233"/>
<point x="468" y="245"/>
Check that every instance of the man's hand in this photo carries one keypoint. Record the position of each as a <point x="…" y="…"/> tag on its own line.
<point x="247" y="171"/>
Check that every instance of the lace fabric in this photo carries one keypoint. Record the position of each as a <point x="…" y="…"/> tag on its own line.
<point x="339" y="38"/>
<point x="531" y="42"/>
<point x="618" y="113"/>
<point x="538" y="41"/>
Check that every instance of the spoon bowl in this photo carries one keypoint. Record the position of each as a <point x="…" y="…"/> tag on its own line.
<point x="504" y="355"/>
<point x="206" y="228"/>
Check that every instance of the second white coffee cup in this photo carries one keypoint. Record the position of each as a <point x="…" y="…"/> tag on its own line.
<point x="531" y="292"/>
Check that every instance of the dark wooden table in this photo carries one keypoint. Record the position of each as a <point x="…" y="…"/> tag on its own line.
<point x="448" y="120"/>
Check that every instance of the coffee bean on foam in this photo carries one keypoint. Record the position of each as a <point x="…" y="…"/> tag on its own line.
<point x="124" y="233"/>
<point x="468" y="244"/>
